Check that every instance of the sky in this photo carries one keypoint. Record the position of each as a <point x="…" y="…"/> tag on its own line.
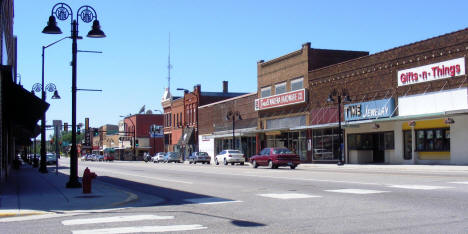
<point x="211" y="41"/>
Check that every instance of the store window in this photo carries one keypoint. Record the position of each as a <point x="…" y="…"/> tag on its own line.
<point x="280" y="88"/>
<point x="428" y="140"/>
<point x="297" y="84"/>
<point x="265" y="92"/>
<point x="371" y="141"/>
<point x="325" y="144"/>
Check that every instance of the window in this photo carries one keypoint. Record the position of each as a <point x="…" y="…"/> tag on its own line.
<point x="429" y="140"/>
<point x="280" y="88"/>
<point x="297" y="84"/>
<point x="265" y="92"/>
<point x="371" y="141"/>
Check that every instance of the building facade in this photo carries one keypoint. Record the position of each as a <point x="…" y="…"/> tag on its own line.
<point x="229" y="124"/>
<point x="182" y="117"/>
<point x="409" y="105"/>
<point x="284" y="99"/>
<point x="137" y="129"/>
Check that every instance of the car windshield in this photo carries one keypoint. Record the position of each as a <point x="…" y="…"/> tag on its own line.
<point x="234" y="151"/>
<point x="282" y="151"/>
<point x="203" y="154"/>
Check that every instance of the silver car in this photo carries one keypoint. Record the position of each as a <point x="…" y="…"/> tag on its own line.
<point x="159" y="157"/>
<point x="230" y="156"/>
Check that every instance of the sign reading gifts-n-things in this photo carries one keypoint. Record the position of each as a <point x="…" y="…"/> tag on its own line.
<point x="431" y="72"/>
<point x="369" y="110"/>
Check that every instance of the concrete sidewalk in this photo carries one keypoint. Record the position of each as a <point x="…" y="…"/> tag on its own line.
<point x="28" y="192"/>
<point x="389" y="167"/>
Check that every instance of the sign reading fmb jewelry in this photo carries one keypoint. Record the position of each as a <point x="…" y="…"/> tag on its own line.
<point x="284" y="99"/>
<point x="431" y="72"/>
<point x="369" y="110"/>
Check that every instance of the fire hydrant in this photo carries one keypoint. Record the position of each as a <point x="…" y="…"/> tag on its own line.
<point x="87" y="177"/>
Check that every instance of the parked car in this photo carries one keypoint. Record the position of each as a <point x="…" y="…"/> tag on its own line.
<point x="99" y="158"/>
<point x="51" y="159"/>
<point x="202" y="157"/>
<point x="147" y="157"/>
<point x="84" y="157"/>
<point x="159" y="157"/>
<point x="108" y="158"/>
<point x="275" y="157"/>
<point x="173" y="157"/>
<point x="230" y="156"/>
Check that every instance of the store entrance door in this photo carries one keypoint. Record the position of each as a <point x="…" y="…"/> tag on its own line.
<point x="379" y="147"/>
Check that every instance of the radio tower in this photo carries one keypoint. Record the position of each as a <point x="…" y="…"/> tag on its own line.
<point x="169" y="66"/>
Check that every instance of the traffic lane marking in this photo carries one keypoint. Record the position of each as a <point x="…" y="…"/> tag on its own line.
<point x="288" y="195"/>
<point x="417" y="187"/>
<point x="356" y="191"/>
<point x="172" y="228"/>
<point x="148" y="177"/>
<point x="209" y="200"/>
<point x="128" y="218"/>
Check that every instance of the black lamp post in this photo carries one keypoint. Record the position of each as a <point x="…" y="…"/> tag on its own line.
<point x="40" y="88"/>
<point x="134" y="136"/>
<point x="87" y="14"/>
<point x="232" y="115"/>
<point x="339" y="95"/>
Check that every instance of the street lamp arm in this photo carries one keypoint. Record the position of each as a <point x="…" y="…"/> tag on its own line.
<point x="53" y="43"/>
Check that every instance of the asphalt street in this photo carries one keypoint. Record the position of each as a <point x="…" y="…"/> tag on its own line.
<point x="239" y="199"/>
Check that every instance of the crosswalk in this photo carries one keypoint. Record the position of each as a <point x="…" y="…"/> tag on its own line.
<point x="118" y="220"/>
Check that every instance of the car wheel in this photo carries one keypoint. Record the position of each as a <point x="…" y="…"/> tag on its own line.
<point x="225" y="162"/>
<point x="254" y="164"/>
<point x="293" y="166"/>
<point x="270" y="165"/>
<point x="194" y="162"/>
<point x="241" y="163"/>
<point x="216" y="161"/>
<point x="232" y="164"/>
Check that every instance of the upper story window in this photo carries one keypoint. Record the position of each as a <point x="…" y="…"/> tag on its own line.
<point x="297" y="84"/>
<point x="265" y="92"/>
<point x="280" y="88"/>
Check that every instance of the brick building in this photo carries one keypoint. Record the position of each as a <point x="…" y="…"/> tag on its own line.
<point x="218" y="128"/>
<point x="284" y="97"/>
<point x="408" y="104"/>
<point x="137" y="135"/>
<point x="181" y="116"/>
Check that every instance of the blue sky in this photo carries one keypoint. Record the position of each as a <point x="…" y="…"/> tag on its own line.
<point x="211" y="41"/>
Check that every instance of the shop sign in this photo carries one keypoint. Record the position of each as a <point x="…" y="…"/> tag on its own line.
<point x="431" y="72"/>
<point x="284" y="99"/>
<point x="383" y="108"/>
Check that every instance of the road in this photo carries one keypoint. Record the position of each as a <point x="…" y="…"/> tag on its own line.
<point x="239" y="199"/>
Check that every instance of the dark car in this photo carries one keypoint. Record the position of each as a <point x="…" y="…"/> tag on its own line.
<point x="275" y="157"/>
<point x="172" y="157"/>
<point x="51" y="159"/>
<point x="202" y="157"/>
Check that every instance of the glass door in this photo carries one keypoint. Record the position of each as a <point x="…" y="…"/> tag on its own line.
<point x="407" y="145"/>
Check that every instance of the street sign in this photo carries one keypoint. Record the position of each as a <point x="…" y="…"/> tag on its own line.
<point x="156" y="131"/>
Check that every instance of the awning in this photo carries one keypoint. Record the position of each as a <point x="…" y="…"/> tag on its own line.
<point x="186" y="136"/>
<point x="22" y="108"/>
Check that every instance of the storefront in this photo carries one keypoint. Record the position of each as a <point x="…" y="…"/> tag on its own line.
<point x="368" y="138"/>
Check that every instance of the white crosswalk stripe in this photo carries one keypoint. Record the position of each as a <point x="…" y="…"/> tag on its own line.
<point x="415" y="186"/>
<point x="142" y="229"/>
<point x="287" y="195"/>
<point x="127" y="218"/>
<point x="356" y="191"/>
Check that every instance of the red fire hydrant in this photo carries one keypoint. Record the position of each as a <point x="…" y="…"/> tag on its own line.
<point x="87" y="177"/>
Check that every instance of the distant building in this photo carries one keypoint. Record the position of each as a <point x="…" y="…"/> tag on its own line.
<point x="181" y="116"/>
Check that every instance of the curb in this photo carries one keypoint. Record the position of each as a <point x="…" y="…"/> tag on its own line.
<point x="17" y="213"/>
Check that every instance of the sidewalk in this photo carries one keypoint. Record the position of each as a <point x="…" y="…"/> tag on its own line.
<point x="28" y="192"/>
<point x="389" y="167"/>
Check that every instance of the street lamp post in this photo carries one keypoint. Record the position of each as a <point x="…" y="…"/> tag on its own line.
<point x="87" y="14"/>
<point x="40" y="88"/>
<point x="339" y="95"/>
<point x="134" y="137"/>
<point x="232" y="115"/>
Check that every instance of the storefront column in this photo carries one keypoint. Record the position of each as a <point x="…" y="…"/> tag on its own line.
<point x="413" y="145"/>
<point x="258" y="143"/>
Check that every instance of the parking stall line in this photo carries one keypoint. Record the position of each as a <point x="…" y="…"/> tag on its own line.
<point x="128" y="218"/>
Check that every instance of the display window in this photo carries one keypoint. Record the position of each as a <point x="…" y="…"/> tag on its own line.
<point x="429" y="140"/>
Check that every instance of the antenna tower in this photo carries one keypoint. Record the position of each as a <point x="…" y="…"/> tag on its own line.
<point x="169" y="66"/>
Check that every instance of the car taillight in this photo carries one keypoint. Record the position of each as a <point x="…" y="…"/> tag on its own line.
<point x="229" y="155"/>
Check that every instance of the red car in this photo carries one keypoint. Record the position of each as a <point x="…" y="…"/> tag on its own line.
<point x="275" y="157"/>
